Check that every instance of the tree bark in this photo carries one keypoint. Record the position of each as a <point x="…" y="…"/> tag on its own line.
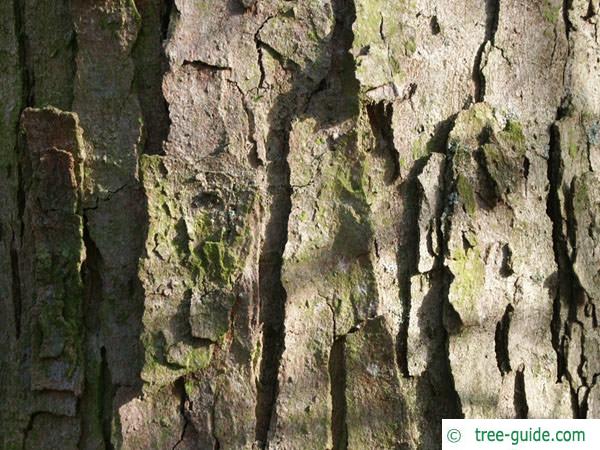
<point x="251" y="224"/>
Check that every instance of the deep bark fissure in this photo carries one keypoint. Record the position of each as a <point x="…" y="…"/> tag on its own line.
<point x="24" y="57"/>
<point x="165" y="19"/>
<point x="520" y="396"/>
<point x="568" y="291"/>
<point x="582" y="357"/>
<point x="408" y="256"/>
<point x="18" y="227"/>
<point x="591" y="11"/>
<point x="98" y="386"/>
<point x="259" y="50"/>
<point x="501" y="340"/>
<point x="454" y="401"/>
<point x="451" y="320"/>
<point x="16" y="285"/>
<point x="337" y="381"/>
<point x="272" y="292"/>
<point x="436" y="386"/>
<point x="583" y="404"/>
<point x="408" y="252"/>
<point x="29" y="426"/>
<point x="448" y="317"/>
<point x="565" y="274"/>
<point x="217" y="443"/>
<point x="566" y="6"/>
<point x="492" y="10"/>
<point x="380" y="117"/>
<point x="579" y="401"/>
<point x="180" y="386"/>
<point x="435" y="25"/>
<point x="74" y="51"/>
<point x="201" y="65"/>
<point x="151" y="65"/>
<point x="341" y="80"/>
<point x="106" y="400"/>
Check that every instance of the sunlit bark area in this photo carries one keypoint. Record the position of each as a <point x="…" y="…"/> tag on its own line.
<point x="295" y="224"/>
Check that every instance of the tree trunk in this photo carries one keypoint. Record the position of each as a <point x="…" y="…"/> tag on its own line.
<point x="249" y="224"/>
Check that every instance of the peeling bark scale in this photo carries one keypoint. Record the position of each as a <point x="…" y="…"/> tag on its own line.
<point x="306" y="224"/>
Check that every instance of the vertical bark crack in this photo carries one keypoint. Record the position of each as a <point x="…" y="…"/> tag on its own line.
<point x="568" y="290"/>
<point x="492" y="10"/>
<point x="106" y="400"/>
<point x="24" y="59"/>
<point x="18" y="226"/>
<point x="150" y="64"/>
<point x="565" y="12"/>
<point x="272" y="293"/>
<point x="96" y="401"/>
<point x="180" y="386"/>
<point x="408" y="255"/>
<point x="520" y="395"/>
<point x="566" y="279"/>
<point x="273" y="296"/>
<point x="259" y="51"/>
<point x="166" y="17"/>
<point x="337" y="381"/>
<point x="16" y="284"/>
<point x="501" y="340"/>
<point x="449" y="317"/>
<point x="380" y="117"/>
<point x="217" y="443"/>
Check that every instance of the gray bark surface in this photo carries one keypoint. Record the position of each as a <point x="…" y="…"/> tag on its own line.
<point x="307" y="224"/>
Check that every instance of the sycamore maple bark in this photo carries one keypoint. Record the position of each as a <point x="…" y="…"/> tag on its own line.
<point x="307" y="224"/>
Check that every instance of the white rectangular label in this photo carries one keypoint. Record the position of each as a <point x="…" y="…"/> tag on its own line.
<point x="521" y="434"/>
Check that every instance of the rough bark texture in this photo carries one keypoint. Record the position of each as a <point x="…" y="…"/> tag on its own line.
<point x="307" y="224"/>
